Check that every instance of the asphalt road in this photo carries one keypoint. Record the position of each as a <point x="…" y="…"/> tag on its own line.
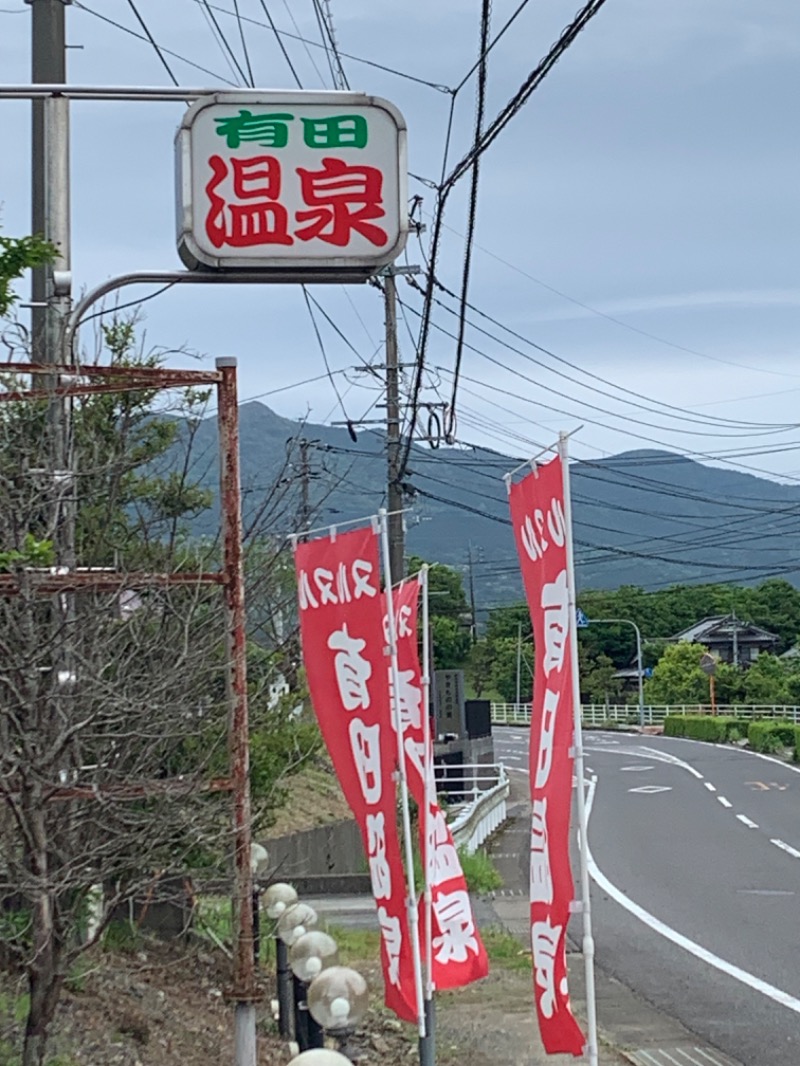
<point x="695" y="860"/>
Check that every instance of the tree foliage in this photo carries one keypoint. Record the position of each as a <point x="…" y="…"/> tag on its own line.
<point x="18" y="254"/>
<point x="113" y="713"/>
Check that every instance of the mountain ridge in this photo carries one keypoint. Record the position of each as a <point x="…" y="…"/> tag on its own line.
<point x="647" y="517"/>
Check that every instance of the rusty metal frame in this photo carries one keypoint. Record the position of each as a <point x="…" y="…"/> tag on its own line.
<point x="48" y="582"/>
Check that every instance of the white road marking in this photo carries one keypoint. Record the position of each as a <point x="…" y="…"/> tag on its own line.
<point x="746" y="821"/>
<point x="710" y="787"/>
<point x="787" y="848"/>
<point x="743" y="751"/>
<point x="699" y="952"/>
<point x="724" y="802"/>
<point x="675" y="761"/>
<point x="651" y="790"/>
<point x="764" y="892"/>
<point x="634" y="769"/>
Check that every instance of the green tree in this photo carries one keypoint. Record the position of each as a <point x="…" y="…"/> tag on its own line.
<point x="18" y="254"/>
<point x="450" y="617"/>
<point x="504" y="669"/>
<point x="677" y="677"/>
<point x="112" y="702"/>
<point x="479" y="666"/>
<point x="769" y="680"/>
<point x="598" y="683"/>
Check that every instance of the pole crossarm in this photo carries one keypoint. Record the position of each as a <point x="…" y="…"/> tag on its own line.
<point x="164" y="93"/>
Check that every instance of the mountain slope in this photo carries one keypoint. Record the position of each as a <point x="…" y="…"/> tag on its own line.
<point x="644" y="517"/>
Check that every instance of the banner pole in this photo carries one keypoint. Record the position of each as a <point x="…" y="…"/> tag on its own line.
<point x="413" y="915"/>
<point x="586" y="907"/>
<point x="427" y="1046"/>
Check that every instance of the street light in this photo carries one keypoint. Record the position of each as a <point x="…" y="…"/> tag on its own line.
<point x="293" y="924"/>
<point x="259" y="861"/>
<point x="338" y="999"/>
<point x="308" y="957"/>
<point x="320" y="1057"/>
<point x="295" y="921"/>
<point x="277" y="899"/>
<point x="311" y="954"/>
<point x="639" y="669"/>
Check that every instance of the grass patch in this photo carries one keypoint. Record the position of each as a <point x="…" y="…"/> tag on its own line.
<point x="505" y="950"/>
<point x="354" y="944"/>
<point x="480" y="871"/>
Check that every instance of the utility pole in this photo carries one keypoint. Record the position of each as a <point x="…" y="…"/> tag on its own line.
<point x="473" y="619"/>
<point x="48" y="66"/>
<point x="305" y="483"/>
<point x="52" y="283"/>
<point x="394" y="494"/>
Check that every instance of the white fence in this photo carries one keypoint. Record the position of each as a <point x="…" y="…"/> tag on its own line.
<point x="482" y="808"/>
<point x="597" y="714"/>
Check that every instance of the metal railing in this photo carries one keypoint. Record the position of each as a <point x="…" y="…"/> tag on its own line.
<point x="597" y="714"/>
<point x="477" y="800"/>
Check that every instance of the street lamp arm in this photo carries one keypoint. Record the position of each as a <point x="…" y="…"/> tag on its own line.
<point x="639" y="664"/>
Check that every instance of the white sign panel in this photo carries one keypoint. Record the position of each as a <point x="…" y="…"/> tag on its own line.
<point x="300" y="184"/>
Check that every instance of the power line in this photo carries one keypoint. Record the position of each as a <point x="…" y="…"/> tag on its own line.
<point x="688" y="415"/>
<point x="480" y="104"/>
<point x="141" y="37"/>
<point x="152" y="40"/>
<point x="224" y="41"/>
<point x="281" y="45"/>
<point x="315" y="44"/>
<point x="531" y="83"/>
<point x="252" y="80"/>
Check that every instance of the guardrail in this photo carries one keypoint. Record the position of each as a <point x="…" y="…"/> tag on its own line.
<point x="484" y="808"/>
<point x="596" y="714"/>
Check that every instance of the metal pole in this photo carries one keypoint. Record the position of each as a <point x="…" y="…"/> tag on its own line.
<point x="640" y="669"/>
<point x="284" y="988"/>
<point x="639" y="662"/>
<point x="413" y="917"/>
<point x="244" y="992"/>
<point x="519" y="664"/>
<point x="586" y="903"/>
<point x="301" y="1013"/>
<point x="48" y="65"/>
<point x="427" y="1043"/>
<point x="394" y="494"/>
<point x="305" y="487"/>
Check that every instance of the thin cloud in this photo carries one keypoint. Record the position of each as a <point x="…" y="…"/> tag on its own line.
<point x="687" y="301"/>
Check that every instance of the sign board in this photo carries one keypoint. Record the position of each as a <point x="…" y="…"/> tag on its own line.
<point x="449" y="703"/>
<point x="301" y="185"/>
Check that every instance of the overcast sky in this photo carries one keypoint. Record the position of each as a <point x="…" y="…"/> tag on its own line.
<point x="638" y="219"/>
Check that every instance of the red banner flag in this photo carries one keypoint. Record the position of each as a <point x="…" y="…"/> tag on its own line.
<point x="540" y="530"/>
<point x="458" y="956"/>
<point x="341" y="625"/>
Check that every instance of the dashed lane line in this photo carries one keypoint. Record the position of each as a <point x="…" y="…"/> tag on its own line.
<point x="724" y="802"/>
<point x="747" y="821"/>
<point x="710" y="787"/>
<point x="787" y="848"/>
<point x="777" y="995"/>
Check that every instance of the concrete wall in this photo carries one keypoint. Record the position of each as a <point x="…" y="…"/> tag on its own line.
<point x="327" y="850"/>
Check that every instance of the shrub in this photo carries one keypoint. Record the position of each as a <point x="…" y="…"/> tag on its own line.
<point x="717" y="729"/>
<point x="768" y="735"/>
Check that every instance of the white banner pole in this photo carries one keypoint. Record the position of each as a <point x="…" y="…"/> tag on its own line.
<point x="428" y="1053"/>
<point x="586" y="905"/>
<point x="430" y="788"/>
<point x="413" y="916"/>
